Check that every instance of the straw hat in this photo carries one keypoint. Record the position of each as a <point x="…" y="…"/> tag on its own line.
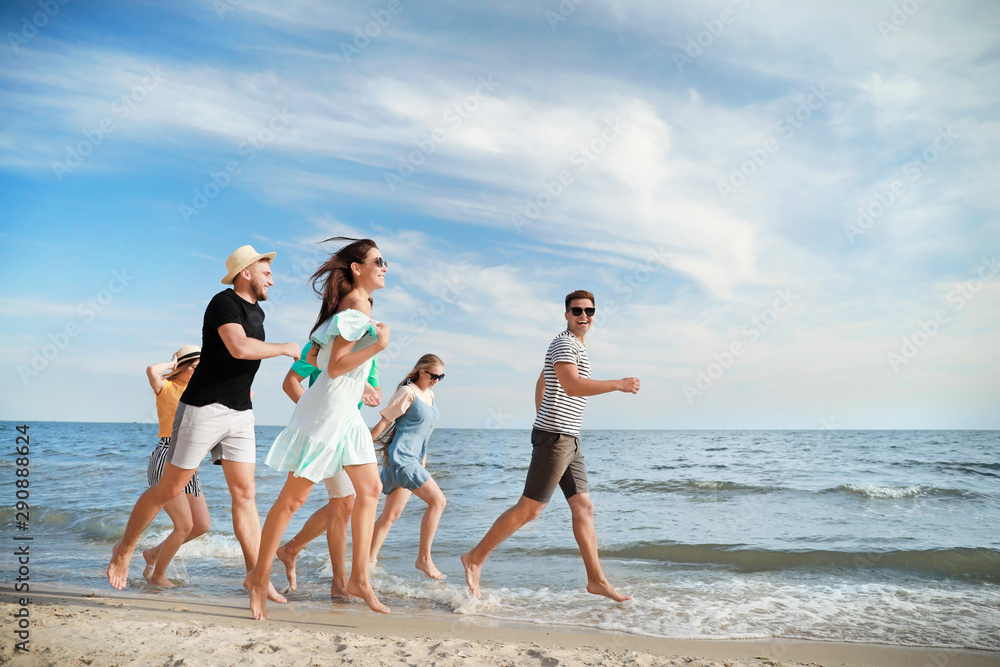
<point x="186" y="353"/>
<point x="243" y="257"/>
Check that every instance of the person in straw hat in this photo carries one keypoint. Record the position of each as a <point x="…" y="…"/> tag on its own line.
<point x="188" y="511"/>
<point x="214" y="413"/>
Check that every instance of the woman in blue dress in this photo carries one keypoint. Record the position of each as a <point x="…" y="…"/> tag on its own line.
<point x="326" y="433"/>
<point x="403" y="432"/>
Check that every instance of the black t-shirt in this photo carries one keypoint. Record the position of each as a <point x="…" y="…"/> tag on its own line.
<point x="220" y="377"/>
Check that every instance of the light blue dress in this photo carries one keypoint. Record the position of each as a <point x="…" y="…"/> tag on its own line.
<point x="403" y="466"/>
<point x="326" y="431"/>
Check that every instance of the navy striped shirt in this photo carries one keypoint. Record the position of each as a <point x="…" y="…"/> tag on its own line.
<point x="561" y="413"/>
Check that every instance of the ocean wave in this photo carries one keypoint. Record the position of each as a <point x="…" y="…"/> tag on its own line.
<point x="970" y="468"/>
<point x="896" y="492"/>
<point x="969" y="464"/>
<point x="746" y="609"/>
<point x="105" y="526"/>
<point x="969" y="563"/>
<point x="93" y="524"/>
<point x="210" y="545"/>
<point x="682" y="486"/>
<point x="698" y="486"/>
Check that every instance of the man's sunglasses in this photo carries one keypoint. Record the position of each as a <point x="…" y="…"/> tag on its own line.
<point x="382" y="264"/>
<point x="435" y="376"/>
<point x="577" y="312"/>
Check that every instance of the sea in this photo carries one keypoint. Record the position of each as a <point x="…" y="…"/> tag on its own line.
<point x="888" y="537"/>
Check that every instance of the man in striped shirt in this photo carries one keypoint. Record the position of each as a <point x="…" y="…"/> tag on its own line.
<point x="560" y="397"/>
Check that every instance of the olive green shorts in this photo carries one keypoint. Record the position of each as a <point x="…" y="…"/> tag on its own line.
<point x="556" y="459"/>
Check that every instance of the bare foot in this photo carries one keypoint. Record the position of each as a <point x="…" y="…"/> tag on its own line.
<point x="287" y="557"/>
<point x="472" y="572"/>
<point x="338" y="590"/>
<point x="118" y="567"/>
<point x="162" y="582"/>
<point x="607" y="590"/>
<point x="258" y="598"/>
<point x="366" y="593"/>
<point x="149" y="555"/>
<point x="273" y="595"/>
<point x="427" y="567"/>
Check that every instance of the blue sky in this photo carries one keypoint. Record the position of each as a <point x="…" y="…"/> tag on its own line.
<point x="787" y="211"/>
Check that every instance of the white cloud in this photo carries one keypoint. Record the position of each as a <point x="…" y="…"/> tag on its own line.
<point x="653" y="188"/>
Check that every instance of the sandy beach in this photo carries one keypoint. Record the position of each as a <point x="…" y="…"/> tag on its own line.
<point x="126" y="629"/>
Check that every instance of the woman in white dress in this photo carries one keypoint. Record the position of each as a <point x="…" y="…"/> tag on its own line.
<point x="326" y="432"/>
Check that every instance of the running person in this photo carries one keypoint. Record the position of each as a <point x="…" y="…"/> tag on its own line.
<point x="410" y="418"/>
<point x="326" y="432"/>
<point x="189" y="512"/>
<point x="560" y="396"/>
<point x="215" y="412"/>
<point x="334" y="517"/>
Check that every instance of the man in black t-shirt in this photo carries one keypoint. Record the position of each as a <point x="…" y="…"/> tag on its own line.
<point x="214" y="413"/>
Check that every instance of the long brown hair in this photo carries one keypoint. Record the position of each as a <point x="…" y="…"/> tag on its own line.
<point x="180" y="368"/>
<point x="424" y="363"/>
<point x="333" y="280"/>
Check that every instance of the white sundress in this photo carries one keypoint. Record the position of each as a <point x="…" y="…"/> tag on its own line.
<point x="326" y="431"/>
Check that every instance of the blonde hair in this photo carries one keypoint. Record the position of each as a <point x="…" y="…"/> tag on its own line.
<point x="424" y="363"/>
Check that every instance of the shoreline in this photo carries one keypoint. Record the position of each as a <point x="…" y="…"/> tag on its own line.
<point x="117" y="627"/>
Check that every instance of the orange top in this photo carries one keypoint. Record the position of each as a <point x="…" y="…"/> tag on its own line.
<point x="166" y="405"/>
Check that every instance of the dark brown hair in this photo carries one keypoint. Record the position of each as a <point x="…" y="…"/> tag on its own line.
<point x="579" y="294"/>
<point x="424" y="363"/>
<point x="180" y="367"/>
<point x="333" y="280"/>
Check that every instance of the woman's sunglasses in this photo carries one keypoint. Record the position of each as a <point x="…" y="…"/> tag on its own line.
<point x="381" y="263"/>
<point x="435" y="376"/>
<point x="577" y="312"/>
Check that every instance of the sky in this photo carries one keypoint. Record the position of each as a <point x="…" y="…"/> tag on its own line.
<point x="788" y="212"/>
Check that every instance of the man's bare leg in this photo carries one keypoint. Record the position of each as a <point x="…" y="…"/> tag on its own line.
<point x="582" y="508"/>
<point x="293" y="495"/>
<point x="314" y="526"/>
<point x="171" y="485"/>
<point x="367" y="489"/>
<point x="431" y="494"/>
<point x="336" y="540"/>
<point x="246" y="520"/>
<point x="506" y="525"/>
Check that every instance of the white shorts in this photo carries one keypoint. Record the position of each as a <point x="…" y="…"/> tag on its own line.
<point x="339" y="486"/>
<point x="198" y="430"/>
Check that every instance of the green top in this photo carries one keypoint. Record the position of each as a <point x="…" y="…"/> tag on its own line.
<point x="304" y="369"/>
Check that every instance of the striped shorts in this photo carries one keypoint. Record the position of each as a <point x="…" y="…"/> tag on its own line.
<point x="155" y="468"/>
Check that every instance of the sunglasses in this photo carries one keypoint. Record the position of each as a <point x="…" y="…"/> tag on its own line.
<point x="381" y="263"/>
<point x="435" y="376"/>
<point x="577" y="312"/>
